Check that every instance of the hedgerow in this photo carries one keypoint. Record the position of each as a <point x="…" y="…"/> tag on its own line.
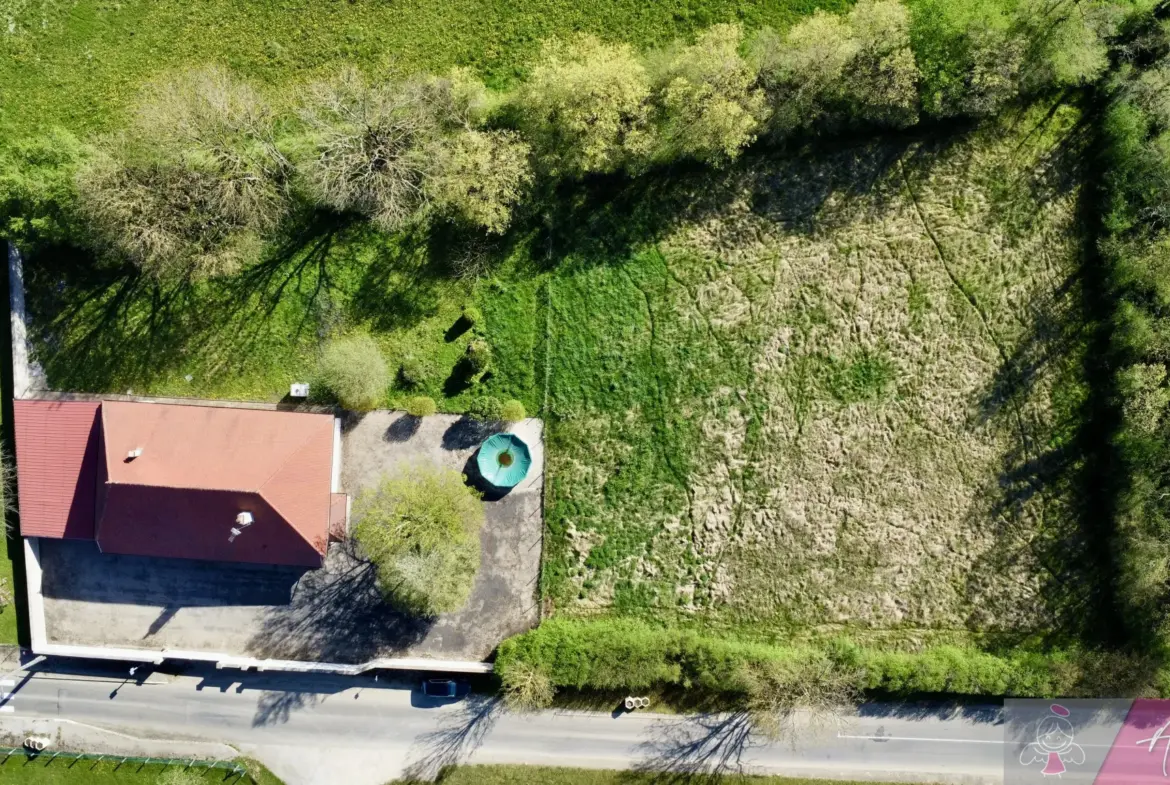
<point x="1135" y="161"/>
<point x="403" y="151"/>
<point x="629" y="655"/>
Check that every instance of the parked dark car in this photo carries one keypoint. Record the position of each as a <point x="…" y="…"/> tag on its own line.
<point x="439" y="688"/>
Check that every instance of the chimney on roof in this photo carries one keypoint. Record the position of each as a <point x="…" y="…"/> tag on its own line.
<point x="134" y="453"/>
<point x="243" y="521"/>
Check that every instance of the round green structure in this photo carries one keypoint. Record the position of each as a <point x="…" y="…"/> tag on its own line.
<point x="503" y="460"/>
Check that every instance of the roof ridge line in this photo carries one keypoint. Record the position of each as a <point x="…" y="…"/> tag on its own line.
<point x="186" y="487"/>
<point x="288" y="522"/>
<point x="293" y="453"/>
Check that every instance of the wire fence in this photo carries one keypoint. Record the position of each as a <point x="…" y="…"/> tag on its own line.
<point x="48" y="756"/>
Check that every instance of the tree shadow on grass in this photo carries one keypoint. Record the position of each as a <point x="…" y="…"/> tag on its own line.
<point x="1054" y="502"/>
<point x="104" y="327"/>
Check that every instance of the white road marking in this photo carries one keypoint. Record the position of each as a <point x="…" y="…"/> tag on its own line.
<point x="922" y="738"/>
<point x="7" y="708"/>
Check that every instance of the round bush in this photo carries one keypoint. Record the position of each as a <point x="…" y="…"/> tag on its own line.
<point x="512" y="411"/>
<point x="421" y="406"/>
<point x="472" y="315"/>
<point x="352" y="368"/>
<point x="412" y="372"/>
<point x="486" y="409"/>
<point x="479" y="355"/>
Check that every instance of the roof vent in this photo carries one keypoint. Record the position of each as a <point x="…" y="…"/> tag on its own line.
<point x="243" y="521"/>
<point x="134" y="453"/>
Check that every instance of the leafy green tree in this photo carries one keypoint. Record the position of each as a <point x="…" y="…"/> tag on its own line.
<point x="970" y="56"/>
<point x="420" y="530"/>
<point x="709" y="105"/>
<point x="353" y="369"/>
<point x="585" y="106"/>
<point x="881" y="80"/>
<point x="1065" y="42"/>
<point x="37" y="191"/>
<point x="802" y="73"/>
<point x="479" y="176"/>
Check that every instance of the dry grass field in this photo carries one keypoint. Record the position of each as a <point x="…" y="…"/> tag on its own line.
<point x="842" y="391"/>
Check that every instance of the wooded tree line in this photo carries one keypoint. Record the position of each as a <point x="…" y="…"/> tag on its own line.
<point x="209" y="167"/>
<point x="1135" y="248"/>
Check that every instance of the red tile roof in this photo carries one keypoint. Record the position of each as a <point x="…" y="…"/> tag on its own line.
<point x="57" y="447"/>
<point x="200" y="466"/>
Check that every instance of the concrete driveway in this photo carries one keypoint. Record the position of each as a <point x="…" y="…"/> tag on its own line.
<point x="334" y="614"/>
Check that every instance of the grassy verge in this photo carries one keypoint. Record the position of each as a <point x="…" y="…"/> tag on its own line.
<point x="17" y="769"/>
<point x="547" y="775"/>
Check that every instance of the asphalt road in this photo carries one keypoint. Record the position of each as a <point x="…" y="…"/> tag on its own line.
<point x="320" y="729"/>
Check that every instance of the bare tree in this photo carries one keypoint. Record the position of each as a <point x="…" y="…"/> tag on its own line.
<point x="370" y="147"/>
<point x="195" y="183"/>
<point x="817" y="690"/>
<point x="527" y="687"/>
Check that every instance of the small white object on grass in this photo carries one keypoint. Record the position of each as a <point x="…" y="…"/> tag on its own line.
<point x="299" y="390"/>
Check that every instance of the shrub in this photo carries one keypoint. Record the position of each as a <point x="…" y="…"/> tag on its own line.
<point x="420" y="530"/>
<point x="472" y="315"/>
<point x="421" y="406"/>
<point x="479" y="176"/>
<point x="371" y="147"/>
<point x="37" y="192"/>
<point x="412" y="372"/>
<point x="354" y="370"/>
<point x="709" y="106"/>
<point x="512" y="411"/>
<point x="526" y="687"/>
<point x="486" y="409"/>
<point x="585" y="106"/>
<point x="479" y="355"/>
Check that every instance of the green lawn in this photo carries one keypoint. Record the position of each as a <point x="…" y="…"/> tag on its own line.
<point x="790" y="397"/>
<point x="78" y="64"/>
<point x="8" y="616"/>
<point x="17" y="770"/>
<point x="547" y="775"/>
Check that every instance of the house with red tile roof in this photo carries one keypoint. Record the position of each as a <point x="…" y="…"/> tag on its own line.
<point x="180" y="481"/>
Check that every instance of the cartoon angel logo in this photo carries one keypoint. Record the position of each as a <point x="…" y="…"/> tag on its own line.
<point x="1054" y="745"/>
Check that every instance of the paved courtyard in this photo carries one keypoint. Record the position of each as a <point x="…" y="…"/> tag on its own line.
<point x="334" y="614"/>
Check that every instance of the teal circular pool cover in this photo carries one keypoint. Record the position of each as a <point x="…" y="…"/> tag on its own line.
<point x="503" y="460"/>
